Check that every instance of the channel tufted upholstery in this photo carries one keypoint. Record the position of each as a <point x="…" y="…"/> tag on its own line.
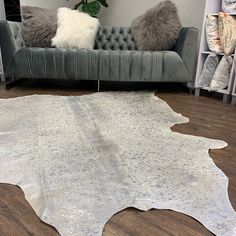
<point x="114" y="58"/>
<point x="113" y="65"/>
<point x="115" y="38"/>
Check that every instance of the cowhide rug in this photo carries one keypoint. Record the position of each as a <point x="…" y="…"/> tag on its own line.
<point x="80" y="160"/>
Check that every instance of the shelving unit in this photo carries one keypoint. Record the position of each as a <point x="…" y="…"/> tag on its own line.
<point x="234" y="94"/>
<point x="212" y="7"/>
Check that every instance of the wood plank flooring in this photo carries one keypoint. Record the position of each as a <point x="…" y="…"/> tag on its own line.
<point x="209" y="117"/>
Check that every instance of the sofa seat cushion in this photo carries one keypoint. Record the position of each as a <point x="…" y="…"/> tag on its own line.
<point x="77" y="64"/>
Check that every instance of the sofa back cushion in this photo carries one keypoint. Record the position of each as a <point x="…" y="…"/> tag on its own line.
<point x="39" y="26"/>
<point x="108" y="38"/>
<point x="115" y="38"/>
<point x="158" y="29"/>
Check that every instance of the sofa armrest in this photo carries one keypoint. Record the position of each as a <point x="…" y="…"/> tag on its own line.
<point x="11" y="40"/>
<point x="186" y="47"/>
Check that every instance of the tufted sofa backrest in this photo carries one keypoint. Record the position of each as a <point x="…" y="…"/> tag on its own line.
<point x="108" y="38"/>
<point x="114" y="38"/>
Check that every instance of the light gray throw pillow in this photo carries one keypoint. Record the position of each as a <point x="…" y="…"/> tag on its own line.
<point x="39" y="26"/>
<point x="158" y="29"/>
<point x="222" y="74"/>
<point x="210" y="65"/>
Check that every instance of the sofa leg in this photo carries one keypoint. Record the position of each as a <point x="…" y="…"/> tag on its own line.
<point x="197" y="92"/>
<point x="98" y="85"/>
<point x="226" y="98"/>
<point x="3" y="80"/>
<point x="9" y="82"/>
<point x="233" y="100"/>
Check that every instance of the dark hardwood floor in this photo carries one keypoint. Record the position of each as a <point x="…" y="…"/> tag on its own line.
<point x="209" y="117"/>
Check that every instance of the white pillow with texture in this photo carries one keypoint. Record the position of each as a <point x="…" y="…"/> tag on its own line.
<point x="229" y="6"/>
<point x="75" y="29"/>
<point x="222" y="74"/>
<point x="210" y="65"/>
<point x="212" y="34"/>
<point x="227" y="30"/>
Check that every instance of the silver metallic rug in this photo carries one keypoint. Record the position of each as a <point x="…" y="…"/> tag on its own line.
<point x="80" y="160"/>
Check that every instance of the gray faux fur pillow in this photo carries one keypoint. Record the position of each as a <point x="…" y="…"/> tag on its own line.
<point x="158" y="29"/>
<point x="39" y="26"/>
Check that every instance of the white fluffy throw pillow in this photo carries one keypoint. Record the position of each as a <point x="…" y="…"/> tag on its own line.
<point x="75" y="29"/>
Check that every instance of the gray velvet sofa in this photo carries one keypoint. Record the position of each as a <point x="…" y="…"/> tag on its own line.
<point x="114" y="58"/>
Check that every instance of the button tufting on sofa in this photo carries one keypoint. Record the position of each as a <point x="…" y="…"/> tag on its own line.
<point x="110" y="38"/>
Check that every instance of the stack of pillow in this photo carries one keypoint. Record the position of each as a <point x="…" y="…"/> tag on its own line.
<point x="221" y="38"/>
<point x="221" y="33"/>
<point x="216" y="72"/>
<point x="64" y="28"/>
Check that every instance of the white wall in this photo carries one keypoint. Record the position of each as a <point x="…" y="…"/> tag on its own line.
<point x="48" y="3"/>
<point x="2" y="10"/>
<point x="122" y="12"/>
